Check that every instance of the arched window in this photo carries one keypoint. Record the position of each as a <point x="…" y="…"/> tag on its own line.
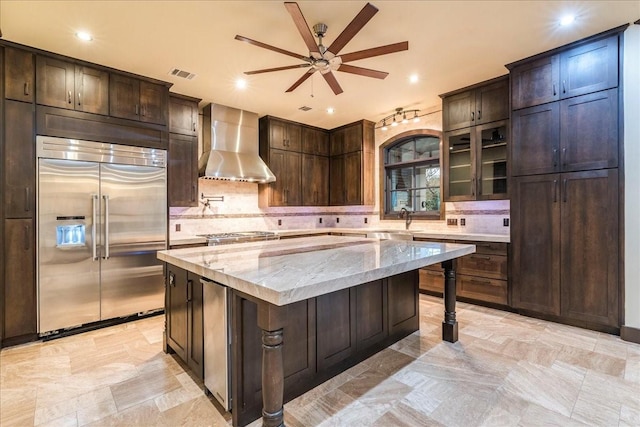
<point x="411" y="175"/>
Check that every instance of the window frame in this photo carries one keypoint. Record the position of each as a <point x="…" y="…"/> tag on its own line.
<point x="383" y="156"/>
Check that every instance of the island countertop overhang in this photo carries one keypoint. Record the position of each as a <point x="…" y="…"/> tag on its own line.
<point x="286" y="271"/>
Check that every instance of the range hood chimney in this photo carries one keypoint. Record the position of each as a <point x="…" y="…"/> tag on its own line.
<point x="230" y="146"/>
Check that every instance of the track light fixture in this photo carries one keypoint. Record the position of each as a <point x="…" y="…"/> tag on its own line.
<point x="400" y="115"/>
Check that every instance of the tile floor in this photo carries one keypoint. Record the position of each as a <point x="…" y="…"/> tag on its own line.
<point x="506" y="370"/>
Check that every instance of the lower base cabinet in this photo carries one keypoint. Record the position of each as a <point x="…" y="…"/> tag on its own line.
<point x="323" y="336"/>
<point x="19" y="300"/>
<point x="184" y="317"/>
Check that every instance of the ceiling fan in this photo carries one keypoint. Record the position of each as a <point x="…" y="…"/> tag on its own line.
<point x="327" y="59"/>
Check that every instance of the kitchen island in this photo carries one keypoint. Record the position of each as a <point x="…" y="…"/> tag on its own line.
<point x="297" y="291"/>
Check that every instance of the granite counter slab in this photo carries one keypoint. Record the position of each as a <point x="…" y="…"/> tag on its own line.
<point x="286" y="271"/>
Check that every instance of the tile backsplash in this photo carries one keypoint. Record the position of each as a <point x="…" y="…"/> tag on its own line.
<point x="238" y="210"/>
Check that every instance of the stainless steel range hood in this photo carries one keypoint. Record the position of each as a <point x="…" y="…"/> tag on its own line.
<point x="230" y="146"/>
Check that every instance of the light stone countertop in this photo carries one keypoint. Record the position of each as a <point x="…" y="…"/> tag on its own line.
<point x="285" y="271"/>
<point x="478" y="237"/>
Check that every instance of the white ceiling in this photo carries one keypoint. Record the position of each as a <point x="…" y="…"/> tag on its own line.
<point x="452" y="44"/>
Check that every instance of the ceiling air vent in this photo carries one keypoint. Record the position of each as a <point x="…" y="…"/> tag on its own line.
<point x="182" y="74"/>
<point x="304" y="108"/>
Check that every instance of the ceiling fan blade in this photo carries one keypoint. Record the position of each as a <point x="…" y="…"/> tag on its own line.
<point x="301" y="80"/>
<point x="268" y="70"/>
<point x="273" y="48"/>
<point x="303" y="27"/>
<point x="333" y="83"/>
<point x="375" y="51"/>
<point x="352" y="29"/>
<point x="346" y="68"/>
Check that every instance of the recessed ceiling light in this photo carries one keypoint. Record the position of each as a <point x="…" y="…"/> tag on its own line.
<point x="241" y="84"/>
<point x="413" y="78"/>
<point x="567" y="20"/>
<point x="330" y="110"/>
<point x="82" y="35"/>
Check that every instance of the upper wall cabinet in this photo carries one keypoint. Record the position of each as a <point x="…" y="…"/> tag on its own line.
<point x="182" y="169"/>
<point x="66" y="85"/>
<point x="477" y="105"/>
<point x="586" y="68"/>
<point x="284" y="135"/>
<point x="315" y="141"/>
<point x="130" y="98"/>
<point x="183" y="115"/>
<point x="19" y="75"/>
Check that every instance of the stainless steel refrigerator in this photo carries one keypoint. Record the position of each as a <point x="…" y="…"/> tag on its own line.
<point x="101" y="219"/>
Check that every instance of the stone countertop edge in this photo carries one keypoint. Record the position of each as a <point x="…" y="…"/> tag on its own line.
<point x="193" y="259"/>
<point x="478" y="237"/>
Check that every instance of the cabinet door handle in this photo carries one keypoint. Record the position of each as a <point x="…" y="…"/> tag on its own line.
<point x="473" y="186"/>
<point x="79" y="98"/>
<point x="27" y="244"/>
<point x="555" y="157"/>
<point x="479" y="114"/>
<point x="189" y="290"/>
<point x="69" y="98"/>
<point x="473" y="115"/>
<point x="554" y="90"/>
<point x="26" y="88"/>
<point x="137" y="109"/>
<point x="555" y="190"/>
<point x="27" y="199"/>
<point x="564" y="157"/>
<point x="564" y="190"/>
<point x="172" y="280"/>
<point x="193" y="192"/>
<point x="194" y="126"/>
<point x="564" y="86"/>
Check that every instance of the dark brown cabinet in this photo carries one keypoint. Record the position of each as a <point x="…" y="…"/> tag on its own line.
<point x="66" y="85"/>
<point x="19" y="75"/>
<point x="184" y="317"/>
<point x="579" y="133"/>
<point x="475" y="162"/>
<point x="134" y="99"/>
<point x="351" y="165"/>
<point x="315" y="141"/>
<point x="284" y="135"/>
<point x="315" y="182"/>
<point x="565" y="257"/>
<point x="19" y="160"/>
<point x="183" y="115"/>
<point x="588" y="67"/>
<point x="20" y="319"/>
<point x="182" y="169"/>
<point x="286" y="166"/>
<point x="484" y="103"/>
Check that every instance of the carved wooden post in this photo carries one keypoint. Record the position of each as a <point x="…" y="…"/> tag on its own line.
<point x="271" y="321"/>
<point x="450" y="324"/>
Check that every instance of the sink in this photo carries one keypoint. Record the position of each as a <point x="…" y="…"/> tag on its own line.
<point x="390" y="235"/>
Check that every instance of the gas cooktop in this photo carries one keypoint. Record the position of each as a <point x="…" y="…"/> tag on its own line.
<point x="238" y="237"/>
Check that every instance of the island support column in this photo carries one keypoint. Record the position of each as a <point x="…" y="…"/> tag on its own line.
<point x="450" y="324"/>
<point x="271" y="321"/>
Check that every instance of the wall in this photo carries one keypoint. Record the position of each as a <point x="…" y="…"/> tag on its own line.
<point x="632" y="174"/>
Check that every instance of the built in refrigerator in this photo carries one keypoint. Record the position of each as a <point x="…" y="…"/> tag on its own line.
<point x="101" y="220"/>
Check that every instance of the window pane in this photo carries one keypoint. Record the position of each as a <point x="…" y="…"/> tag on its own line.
<point x="402" y="153"/>
<point x="400" y="179"/>
<point x="428" y="176"/>
<point x="428" y="148"/>
<point x="399" y="200"/>
<point x="427" y="199"/>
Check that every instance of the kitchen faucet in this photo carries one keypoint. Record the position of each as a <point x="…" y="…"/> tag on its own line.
<point x="406" y="214"/>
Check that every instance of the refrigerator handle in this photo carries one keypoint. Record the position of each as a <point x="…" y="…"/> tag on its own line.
<point x="94" y="200"/>
<point x="106" y="226"/>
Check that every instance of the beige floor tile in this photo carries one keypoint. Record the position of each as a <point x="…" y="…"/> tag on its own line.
<point x="322" y="408"/>
<point x="143" y="387"/>
<point x="144" y="414"/>
<point x="629" y="416"/>
<point x="592" y="360"/>
<point x="536" y="415"/>
<point x="194" y="413"/>
<point x="69" y="420"/>
<point x="95" y="405"/>
<point x="598" y="412"/>
<point x="632" y="368"/>
<point x="402" y="415"/>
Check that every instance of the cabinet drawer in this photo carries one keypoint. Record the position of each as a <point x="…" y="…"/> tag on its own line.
<point x="489" y="290"/>
<point x="431" y="280"/>
<point x="483" y="265"/>
<point x="489" y="248"/>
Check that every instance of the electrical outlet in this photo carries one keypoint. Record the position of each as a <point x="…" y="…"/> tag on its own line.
<point x="366" y="220"/>
<point x="320" y="220"/>
<point x="279" y="222"/>
<point x="463" y="222"/>
<point x="505" y="222"/>
<point x="452" y="221"/>
<point x="178" y="227"/>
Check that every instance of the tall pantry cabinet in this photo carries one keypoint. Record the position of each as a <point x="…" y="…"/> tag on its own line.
<point x="565" y="154"/>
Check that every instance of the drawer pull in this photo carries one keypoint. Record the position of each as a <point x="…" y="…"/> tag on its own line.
<point x="435" y="273"/>
<point x="26" y="88"/>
